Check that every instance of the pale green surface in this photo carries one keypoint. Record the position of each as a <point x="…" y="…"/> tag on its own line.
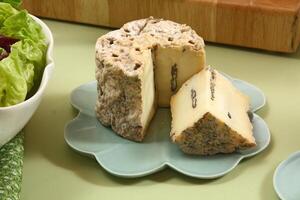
<point x="53" y="171"/>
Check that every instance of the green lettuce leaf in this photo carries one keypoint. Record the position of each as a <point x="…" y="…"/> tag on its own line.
<point x="14" y="3"/>
<point x="6" y="11"/>
<point x="22" y="26"/>
<point x="23" y="68"/>
<point x="13" y="87"/>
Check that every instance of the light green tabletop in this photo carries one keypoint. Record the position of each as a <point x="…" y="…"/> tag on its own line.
<point x="53" y="171"/>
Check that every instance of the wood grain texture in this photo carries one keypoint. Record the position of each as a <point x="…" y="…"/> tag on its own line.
<point x="84" y="11"/>
<point x="265" y="24"/>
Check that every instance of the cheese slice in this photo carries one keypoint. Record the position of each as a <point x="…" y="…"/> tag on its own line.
<point x="209" y="116"/>
<point x="139" y="67"/>
<point x="174" y="66"/>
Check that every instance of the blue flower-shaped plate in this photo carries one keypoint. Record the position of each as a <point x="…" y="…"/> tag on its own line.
<point x="286" y="179"/>
<point x="125" y="158"/>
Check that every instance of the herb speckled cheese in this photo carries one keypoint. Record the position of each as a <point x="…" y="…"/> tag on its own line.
<point x="209" y="116"/>
<point x="139" y="67"/>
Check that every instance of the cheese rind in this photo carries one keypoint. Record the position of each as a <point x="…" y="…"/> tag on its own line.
<point x="209" y="116"/>
<point x="124" y="103"/>
<point x="131" y="71"/>
<point x="209" y="136"/>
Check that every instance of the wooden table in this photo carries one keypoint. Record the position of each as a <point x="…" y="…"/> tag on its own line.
<point x="53" y="171"/>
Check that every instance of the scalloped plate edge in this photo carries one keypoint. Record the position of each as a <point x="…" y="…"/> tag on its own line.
<point x="277" y="171"/>
<point x="165" y="164"/>
<point x="268" y="139"/>
<point x="160" y="167"/>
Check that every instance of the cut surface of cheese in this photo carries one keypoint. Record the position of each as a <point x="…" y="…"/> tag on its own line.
<point x="139" y="67"/>
<point x="171" y="70"/>
<point x="209" y="115"/>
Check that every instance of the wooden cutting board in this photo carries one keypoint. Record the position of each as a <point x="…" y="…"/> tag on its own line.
<point x="265" y="24"/>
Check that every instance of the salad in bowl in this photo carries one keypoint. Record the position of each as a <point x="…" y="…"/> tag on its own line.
<point x="25" y="67"/>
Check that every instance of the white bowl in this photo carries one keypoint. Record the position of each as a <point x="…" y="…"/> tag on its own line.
<point x="14" y="118"/>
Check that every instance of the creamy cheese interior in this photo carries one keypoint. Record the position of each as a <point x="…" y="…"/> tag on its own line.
<point x="231" y="106"/>
<point x="148" y="89"/>
<point x="183" y="114"/>
<point x="174" y="66"/>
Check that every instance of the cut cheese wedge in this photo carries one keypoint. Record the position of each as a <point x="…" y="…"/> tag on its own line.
<point x="209" y="116"/>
